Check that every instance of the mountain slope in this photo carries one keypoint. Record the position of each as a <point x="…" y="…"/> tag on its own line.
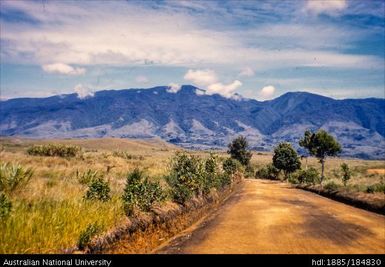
<point x="195" y="120"/>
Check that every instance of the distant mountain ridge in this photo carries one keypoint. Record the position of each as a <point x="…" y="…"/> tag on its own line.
<point x="196" y="120"/>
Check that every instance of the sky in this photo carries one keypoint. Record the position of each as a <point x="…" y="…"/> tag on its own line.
<point x="258" y="49"/>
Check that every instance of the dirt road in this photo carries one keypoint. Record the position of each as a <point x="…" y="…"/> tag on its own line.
<point x="271" y="217"/>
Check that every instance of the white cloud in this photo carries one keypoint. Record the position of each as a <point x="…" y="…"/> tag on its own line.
<point x="65" y="69"/>
<point x="88" y="35"/>
<point x="141" y="79"/>
<point x="247" y="71"/>
<point x="202" y="78"/>
<point x="208" y="80"/>
<point x="226" y="90"/>
<point x="326" y="6"/>
<point x="173" y="88"/>
<point x="267" y="92"/>
<point x="83" y="91"/>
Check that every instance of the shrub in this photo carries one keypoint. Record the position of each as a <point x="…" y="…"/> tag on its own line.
<point x="5" y="206"/>
<point x="54" y="150"/>
<point x="187" y="175"/>
<point x="230" y="166"/>
<point x="13" y="177"/>
<point x="286" y="158"/>
<point x="191" y="176"/>
<point x="346" y="173"/>
<point x="293" y="179"/>
<point x="309" y="176"/>
<point x="211" y="174"/>
<point x="140" y="193"/>
<point x="238" y="149"/>
<point x="86" y="177"/>
<point x="268" y="172"/>
<point x="180" y="192"/>
<point x="98" y="189"/>
<point x="379" y="187"/>
<point x="249" y="171"/>
<point x="224" y="179"/>
<point x="87" y="234"/>
<point x="331" y="186"/>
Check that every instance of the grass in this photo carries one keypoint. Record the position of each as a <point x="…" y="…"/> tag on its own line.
<point x="362" y="170"/>
<point x="49" y="214"/>
<point x="48" y="226"/>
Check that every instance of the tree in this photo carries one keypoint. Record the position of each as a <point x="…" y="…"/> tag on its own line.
<point x="238" y="149"/>
<point x="346" y="173"/>
<point x="286" y="158"/>
<point x="305" y="142"/>
<point x="320" y="144"/>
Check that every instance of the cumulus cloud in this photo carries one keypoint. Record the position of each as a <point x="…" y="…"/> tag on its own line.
<point x="327" y="6"/>
<point x="267" y="92"/>
<point x="173" y="88"/>
<point x="247" y="71"/>
<point x="208" y="80"/>
<point x="226" y="90"/>
<point x="202" y="78"/>
<point x="141" y="79"/>
<point x="65" y="69"/>
<point x="83" y="91"/>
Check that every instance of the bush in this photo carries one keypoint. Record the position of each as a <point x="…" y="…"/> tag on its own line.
<point x="86" y="177"/>
<point x="309" y="176"/>
<point x="191" y="176"/>
<point x="5" y="206"/>
<point x="87" y="234"/>
<point x="286" y="158"/>
<point x="249" y="171"/>
<point x="180" y="192"/>
<point x="230" y="166"/>
<point x="54" y="150"/>
<point x="346" y="173"/>
<point x="140" y="193"/>
<point x="211" y="174"/>
<point x="98" y="189"/>
<point x="13" y="177"/>
<point x="332" y="186"/>
<point x="268" y="172"/>
<point x="187" y="176"/>
<point x="293" y="179"/>
<point x="379" y="187"/>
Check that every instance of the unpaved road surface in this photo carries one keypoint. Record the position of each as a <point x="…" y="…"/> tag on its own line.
<point x="271" y="217"/>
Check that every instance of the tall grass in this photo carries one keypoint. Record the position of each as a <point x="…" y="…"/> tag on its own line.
<point x="13" y="177"/>
<point x="49" y="226"/>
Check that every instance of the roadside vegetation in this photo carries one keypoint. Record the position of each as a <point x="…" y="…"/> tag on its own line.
<point x="55" y="197"/>
<point x="348" y="175"/>
<point x="59" y="196"/>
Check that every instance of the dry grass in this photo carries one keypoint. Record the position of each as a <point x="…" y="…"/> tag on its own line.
<point x="364" y="172"/>
<point x="49" y="213"/>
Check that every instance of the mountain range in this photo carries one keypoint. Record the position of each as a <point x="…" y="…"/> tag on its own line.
<point x="193" y="119"/>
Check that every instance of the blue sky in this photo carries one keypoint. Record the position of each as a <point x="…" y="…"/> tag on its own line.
<point x="259" y="49"/>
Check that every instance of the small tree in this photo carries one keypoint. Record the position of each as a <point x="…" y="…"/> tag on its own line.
<point x="346" y="173"/>
<point x="320" y="145"/>
<point x="238" y="149"/>
<point x="286" y="158"/>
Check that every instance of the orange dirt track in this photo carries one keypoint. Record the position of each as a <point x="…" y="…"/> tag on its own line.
<point x="271" y="217"/>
